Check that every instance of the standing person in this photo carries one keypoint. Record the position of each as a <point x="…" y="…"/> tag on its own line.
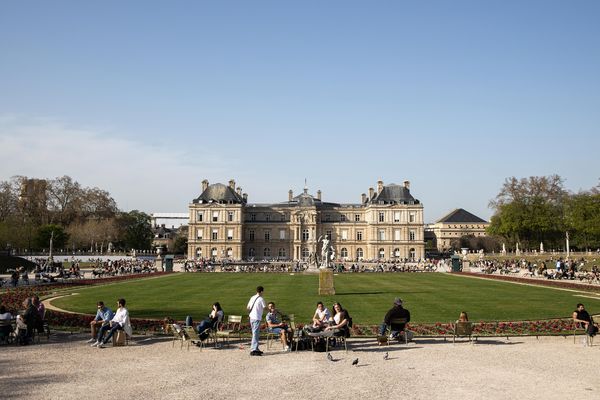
<point x="103" y="317"/>
<point x="255" y="307"/>
<point x="397" y="311"/>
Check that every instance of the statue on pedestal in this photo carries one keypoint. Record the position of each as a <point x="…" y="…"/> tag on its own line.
<point x="326" y="248"/>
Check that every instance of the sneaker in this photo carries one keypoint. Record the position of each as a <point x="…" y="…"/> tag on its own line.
<point x="101" y="346"/>
<point x="92" y="340"/>
<point x="96" y="343"/>
<point x="255" y="353"/>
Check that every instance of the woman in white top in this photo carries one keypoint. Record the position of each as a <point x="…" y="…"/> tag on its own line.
<point x="322" y="315"/>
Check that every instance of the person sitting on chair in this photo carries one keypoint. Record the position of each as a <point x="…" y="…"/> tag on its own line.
<point x="322" y="315"/>
<point x="103" y="317"/>
<point x="213" y="318"/>
<point x="339" y="325"/>
<point x="581" y="316"/>
<point x="119" y="322"/>
<point x="463" y="317"/>
<point x="397" y="311"/>
<point x="276" y="326"/>
<point x="6" y="328"/>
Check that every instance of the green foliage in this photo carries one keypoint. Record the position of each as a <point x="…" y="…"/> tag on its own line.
<point x="136" y="230"/>
<point x="582" y="216"/>
<point x="430" y="297"/>
<point x="45" y="232"/>
<point x="180" y="245"/>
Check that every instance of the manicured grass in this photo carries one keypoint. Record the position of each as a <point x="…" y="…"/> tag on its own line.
<point x="429" y="297"/>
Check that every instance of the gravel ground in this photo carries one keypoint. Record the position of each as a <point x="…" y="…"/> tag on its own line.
<point x="150" y="368"/>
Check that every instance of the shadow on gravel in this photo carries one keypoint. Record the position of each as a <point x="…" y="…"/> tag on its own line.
<point x="22" y="383"/>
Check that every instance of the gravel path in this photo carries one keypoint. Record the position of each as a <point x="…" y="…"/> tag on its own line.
<point x="150" y="368"/>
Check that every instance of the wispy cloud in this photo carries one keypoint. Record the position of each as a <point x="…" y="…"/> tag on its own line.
<point x="138" y="175"/>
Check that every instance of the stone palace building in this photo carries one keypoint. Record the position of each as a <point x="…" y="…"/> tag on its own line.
<point x="387" y="224"/>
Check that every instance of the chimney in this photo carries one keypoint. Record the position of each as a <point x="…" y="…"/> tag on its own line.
<point x="371" y="192"/>
<point x="290" y="195"/>
<point x="319" y="194"/>
<point x="245" y="197"/>
<point x="407" y="184"/>
<point x="232" y="184"/>
<point x="204" y="185"/>
<point x="238" y="190"/>
<point x="363" y="198"/>
<point x="379" y="186"/>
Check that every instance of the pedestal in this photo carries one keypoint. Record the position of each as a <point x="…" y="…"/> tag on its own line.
<point x="158" y="263"/>
<point x="326" y="282"/>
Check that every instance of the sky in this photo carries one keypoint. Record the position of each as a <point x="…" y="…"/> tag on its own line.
<point x="145" y="99"/>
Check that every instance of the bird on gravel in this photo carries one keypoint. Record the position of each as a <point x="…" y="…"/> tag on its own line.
<point x="355" y="362"/>
<point x="385" y="356"/>
<point x="329" y="357"/>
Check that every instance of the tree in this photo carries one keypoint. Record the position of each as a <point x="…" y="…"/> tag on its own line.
<point x="135" y="230"/>
<point x="64" y="196"/>
<point x="56" y="232"/>
<point x="582" y="216"/>
<point x="529" y="210"/>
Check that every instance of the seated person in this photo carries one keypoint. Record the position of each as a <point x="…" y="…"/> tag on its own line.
<point x="6" y="319"/>
<point x="103" y="317"/>
<point x="581" y="316"/>
<point x="463" y="317"/>
<point x="31" y="319"/>
<point x="119" y="322"/>
<point x="322" y="315"/>
<point x="41" y="309"/>
<point x="397" y="311"/>
<point x="212" y="320"/>
<point x="340" y="323"/>
<point x="276" y="326"/>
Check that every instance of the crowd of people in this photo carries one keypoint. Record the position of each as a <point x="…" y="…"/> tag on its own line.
<point x="26" y="323"/>
<point x="548" y="269"/>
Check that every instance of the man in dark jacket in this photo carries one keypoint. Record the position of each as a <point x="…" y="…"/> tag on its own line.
<point x="397" y="311"/>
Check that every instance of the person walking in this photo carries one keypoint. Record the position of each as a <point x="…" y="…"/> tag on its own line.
<point x="255" y="307"/>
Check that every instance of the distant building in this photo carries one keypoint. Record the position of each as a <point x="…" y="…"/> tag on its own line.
<point x="169" y="220"/>
<point x="454" y="225"/>
<point x="387" y="224"/>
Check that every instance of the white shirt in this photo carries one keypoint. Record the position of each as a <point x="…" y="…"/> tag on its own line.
<point x="323" y="315"/>
<point x="122" y="318"/>
<point x="256" y="311"/>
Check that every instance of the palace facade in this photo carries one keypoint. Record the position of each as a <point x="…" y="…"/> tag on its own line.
<point x="387" y="224"/>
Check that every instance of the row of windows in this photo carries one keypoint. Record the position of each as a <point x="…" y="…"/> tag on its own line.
<point x="215" y="216"/>
<point x="281" y="252"/>
<point x="214" y="234"/>
<point x="230" y="217"/>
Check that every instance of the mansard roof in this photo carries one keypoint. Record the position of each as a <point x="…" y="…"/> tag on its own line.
<point x="394" y="194"/>
<point x="219" y="193"/>
<point x="460" y="216"/>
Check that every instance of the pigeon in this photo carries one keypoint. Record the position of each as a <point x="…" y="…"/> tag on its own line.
<point x="355" y="362"/>
<point x="385" y="356"/>
<point x="329" y="357"/>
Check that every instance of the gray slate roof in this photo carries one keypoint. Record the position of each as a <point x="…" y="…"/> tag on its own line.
<point x="394" y="194"/>
<point x="219" y="193"/>
<point x="461" y="216"/>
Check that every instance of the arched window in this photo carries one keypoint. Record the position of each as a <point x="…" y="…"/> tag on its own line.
<point x="267" y="252"/>
<point x="281" y="253"/>
<point x="199" y="252"/>
<point x="229" y="252"/>
<point x="359" y="253"/>
<point x="251" y="252"/>
<point x="381" y="253"/>
<point x="344" y="252"/>
<point x="396" y="252"/>
<point x="213" y="252"/>
<point x="412" y="253"/>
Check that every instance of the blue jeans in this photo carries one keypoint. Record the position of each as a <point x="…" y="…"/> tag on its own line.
<point x="383" y="328"/>
<point x="104" y="328"/>
<point x="255" y="324"/>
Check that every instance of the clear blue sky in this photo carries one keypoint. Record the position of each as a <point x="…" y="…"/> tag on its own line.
<point x="145" y="99"/>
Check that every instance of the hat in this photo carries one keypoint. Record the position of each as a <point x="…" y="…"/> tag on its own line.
<point x="398" y="301"/>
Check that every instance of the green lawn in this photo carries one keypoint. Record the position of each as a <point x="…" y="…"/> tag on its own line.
<point x="429" y="297"/>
